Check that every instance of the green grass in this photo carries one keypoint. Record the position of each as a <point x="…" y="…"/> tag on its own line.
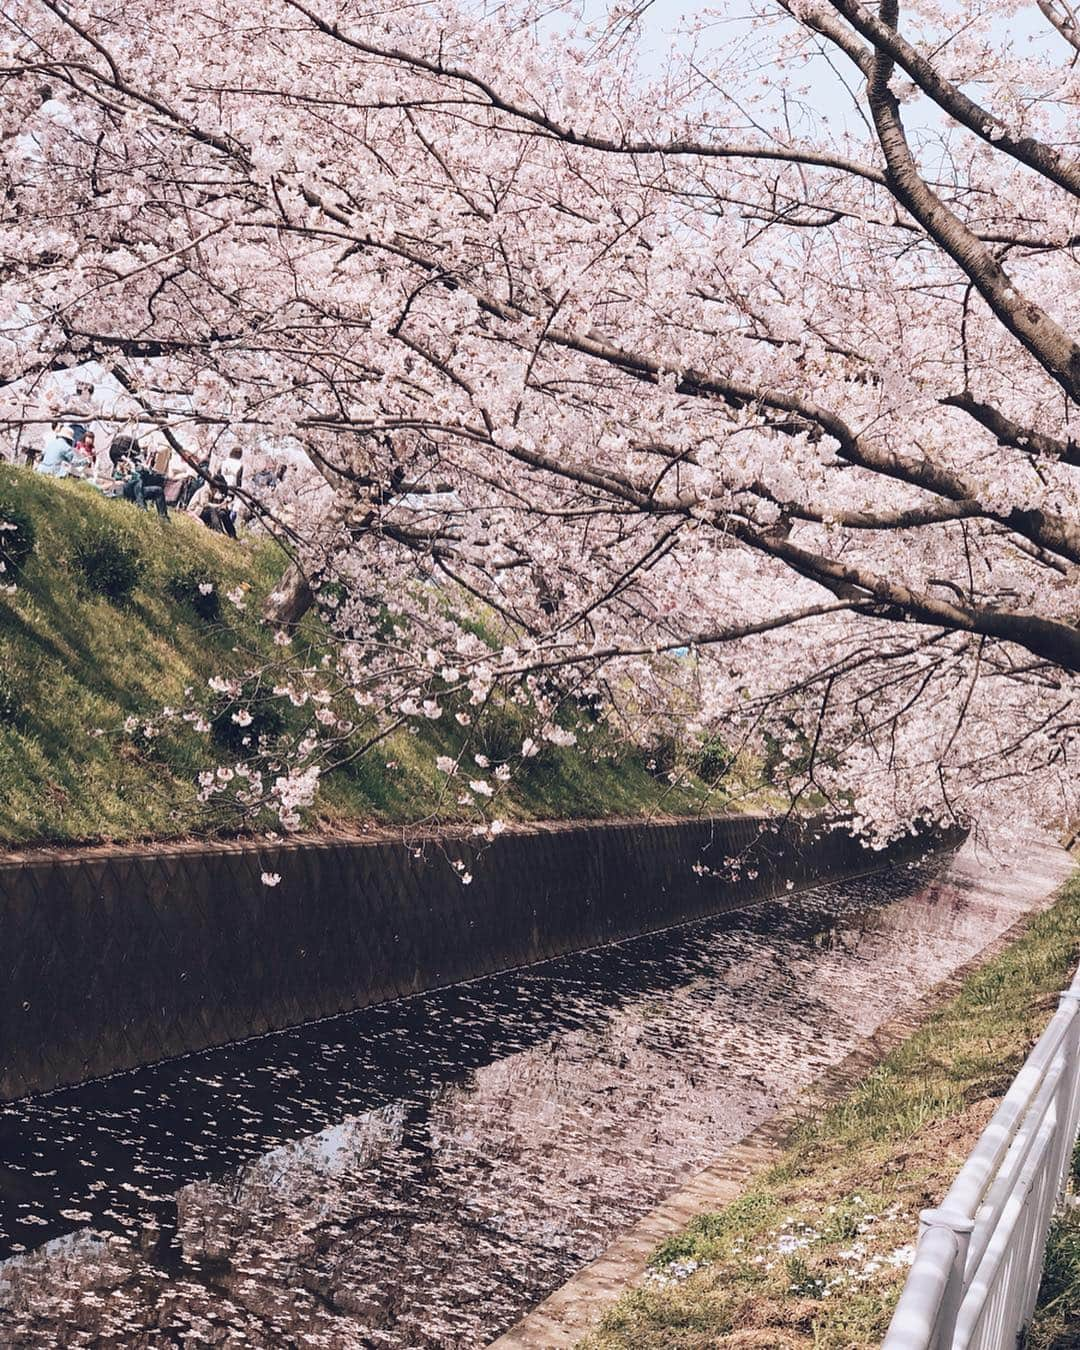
<point x="1057" y="1320"/>
<point x="75" y="666"/>
<point x="813" y="1253"/>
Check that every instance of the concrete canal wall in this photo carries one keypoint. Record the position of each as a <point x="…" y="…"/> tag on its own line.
<point x="114" y="959"/>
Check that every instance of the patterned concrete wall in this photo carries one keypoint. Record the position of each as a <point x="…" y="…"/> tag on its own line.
<point x="110" y="960"/>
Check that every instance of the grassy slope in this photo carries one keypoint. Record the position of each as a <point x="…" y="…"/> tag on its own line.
<point x="812" y="1254"/>
<point x="79" y="666"/>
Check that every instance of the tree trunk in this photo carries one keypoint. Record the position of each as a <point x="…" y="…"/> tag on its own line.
<point x="290" y="599"/>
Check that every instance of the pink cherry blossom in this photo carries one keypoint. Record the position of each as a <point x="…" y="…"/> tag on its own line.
<point x="643" y="405"/>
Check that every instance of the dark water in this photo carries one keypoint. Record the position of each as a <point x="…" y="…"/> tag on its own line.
<point x="420" y="1174"/>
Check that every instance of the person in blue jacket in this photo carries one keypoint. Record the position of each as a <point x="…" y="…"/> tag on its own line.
<point x="58" y="455"/>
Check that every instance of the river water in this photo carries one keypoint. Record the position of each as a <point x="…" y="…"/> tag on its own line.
<point x="422" y="1173"/>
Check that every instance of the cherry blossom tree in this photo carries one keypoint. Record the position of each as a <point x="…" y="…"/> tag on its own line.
<point x="739" y="418"/>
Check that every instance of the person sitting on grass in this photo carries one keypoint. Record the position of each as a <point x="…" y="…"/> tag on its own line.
<point x="153" y="488"/>
<point x="123" y="454"/>
<point x="84" y="460"/>
<point x="57" y="457"/>
<point x="231" y="471"/>
<point x="138" y="484"/>
<point x="210" y="504"/>
<point x="191" y="485"/>
<point x="182" y="474"/>
<point x="232" y="468"/>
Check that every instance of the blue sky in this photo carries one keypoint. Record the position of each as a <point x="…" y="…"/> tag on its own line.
<point x="1026" y="28"/>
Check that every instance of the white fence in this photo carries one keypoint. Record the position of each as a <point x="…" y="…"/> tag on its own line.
<point x="979" y="1257"/>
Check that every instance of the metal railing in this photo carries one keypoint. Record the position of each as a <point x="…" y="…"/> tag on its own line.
<point x="979" y="1257"/>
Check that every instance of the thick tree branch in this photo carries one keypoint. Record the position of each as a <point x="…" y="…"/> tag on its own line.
<point x="1012" y="433"/>
<point x="1048" y="342"/>
<point x="891" y="47"/>
<point x="1055" y="640"/>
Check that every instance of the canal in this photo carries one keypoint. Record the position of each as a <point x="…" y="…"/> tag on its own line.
<point x="421" y="1173"/>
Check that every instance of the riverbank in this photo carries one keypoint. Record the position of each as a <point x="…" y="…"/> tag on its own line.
<point x="89" y="755"/>
<point x="815" y="1250"/>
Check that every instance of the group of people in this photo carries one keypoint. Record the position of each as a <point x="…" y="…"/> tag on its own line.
<point x="71" y="452"/>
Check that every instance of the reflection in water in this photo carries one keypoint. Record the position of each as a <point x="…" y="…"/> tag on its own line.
<point x="419" y="1174"/>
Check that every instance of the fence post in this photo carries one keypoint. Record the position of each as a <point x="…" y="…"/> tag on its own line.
<point x="1058" y="1167"/>
<point x="1068" y="1089"/>
<point x="961" y="1228"/>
